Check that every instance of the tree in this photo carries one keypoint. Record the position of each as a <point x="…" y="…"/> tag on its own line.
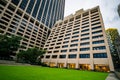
<point x="114" y="35"/>
<point x="9" y="45"/>
<point x="30" y="55"/>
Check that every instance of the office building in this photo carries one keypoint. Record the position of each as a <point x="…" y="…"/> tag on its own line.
<point x="79" y="41"/>
<point x="118" y="10"/>
<point x="31" y="19"/>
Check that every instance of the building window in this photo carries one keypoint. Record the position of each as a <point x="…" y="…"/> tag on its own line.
<point x="87" y="38"/>
<point x="85" y="34"/>
<point x="65" y="46"/>
<point x="30" y="6"/>
<point x="15" y="2"/>
<point x="76" y="29"/>
<point x="76" y="26"/>
<point x="72" y="56"/>
<point x="99" y="48"/>
<point x="62" y="51"/>
<point x="49" y="52"/>
<point x="94" y="11"/>
<point x="36" y="8"/>
<point x="59" y="39"/>
<point x="23" y="4"/>
<point x="57" y="47"/>
<point x="95" y="19"/>
<point x="85" y="43"/>
<point x="78" y="17"/>
<point x="85" y="23"/>
<point x="67" y="38"/>
<point x="62" y="56"/>
<point x="60" y="36"/>
<point x="98" y="42"/>
<point x="96" y="27"/>
<point x="85" y="30"/>
<point x="47" y="56"/>
<point x="94" y="15"/>
<point x="95" y="37"/>
<point x="85" y="14"/>
<point x="58" y="43"/>
<point x="56" y="51"/>
<point x="100" y="55"/>
<point x="85" y="49"/>
<point x="76" y="32"/>
<point x="73" y="45"/>
<point x="65" y="42"/>
<point x="84" y="55"/>
<point x="11" y="7"/>
<point x="54" y="56"/>
<point x="96" y="32"/>
<point x="72" y="50"/>
<point x="3" y="2"/>
<point x="75" y="36"/>
<point x="68" y="31"/>
<point x="67" y="35"/>
<point x="74" y="40"/>
<point x="85" y="26"/>
<point x="95" y="23"/>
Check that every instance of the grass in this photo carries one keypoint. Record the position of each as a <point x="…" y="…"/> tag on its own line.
<point x="45" y="73"/>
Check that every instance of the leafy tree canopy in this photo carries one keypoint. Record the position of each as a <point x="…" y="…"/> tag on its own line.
<point x="9" y="45"/>
<point x="113" y="33"/>
<point x="30" y="55"/>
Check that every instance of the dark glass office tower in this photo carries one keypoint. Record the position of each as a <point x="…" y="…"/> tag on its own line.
<point x="31" y="19"/>
<point x="118" y="9"/>
<point x="45" y="11"/>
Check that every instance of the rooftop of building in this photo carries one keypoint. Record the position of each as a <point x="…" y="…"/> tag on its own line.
<point x="77" y="14"/>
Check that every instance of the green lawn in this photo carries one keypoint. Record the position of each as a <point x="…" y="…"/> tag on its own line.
<point x="45" y="73"/>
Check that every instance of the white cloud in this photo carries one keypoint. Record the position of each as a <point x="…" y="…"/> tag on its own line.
<point x="108" y="9"/>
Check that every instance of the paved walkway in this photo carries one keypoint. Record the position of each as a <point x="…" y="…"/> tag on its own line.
<point x="112" y="76"/>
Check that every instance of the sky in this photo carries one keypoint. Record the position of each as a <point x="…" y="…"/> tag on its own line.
<point x="108" y="9"/>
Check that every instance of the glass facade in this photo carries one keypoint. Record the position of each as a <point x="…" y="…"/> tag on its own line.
<point x="45" y="11"/>
<point x="23" y="4"/>
<point x="41" y="10"/>
<point x="16" y="2"/>
<point x="30" y="6"/>
<point x="36" y="8"/>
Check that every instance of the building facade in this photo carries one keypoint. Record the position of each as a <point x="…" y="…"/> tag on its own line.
<point x="118" y="9"/>
<point x="31" y="19"/>
<point x="79" y="41"/>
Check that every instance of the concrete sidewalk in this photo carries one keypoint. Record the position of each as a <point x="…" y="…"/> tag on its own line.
<point x="111" y="76"/>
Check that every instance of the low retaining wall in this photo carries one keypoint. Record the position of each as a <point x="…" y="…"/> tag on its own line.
<point x="117" y="74"/>
<point x="11" y="62"/>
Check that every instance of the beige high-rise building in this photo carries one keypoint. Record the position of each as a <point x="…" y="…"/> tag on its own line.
<point x="31" y="19"/>
<point x="79" y="41"/>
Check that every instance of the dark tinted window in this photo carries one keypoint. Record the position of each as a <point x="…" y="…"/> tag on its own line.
<point x="23" y="4"/>
<point x="62" y="56"/>
<point x="72" y="56"/>
<point x="15" y="2"/>
<point x="99" y="55"/>
<point x="30" y="6"/>
<point x="36" y="8"/>
<point x="84" y="56"/>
